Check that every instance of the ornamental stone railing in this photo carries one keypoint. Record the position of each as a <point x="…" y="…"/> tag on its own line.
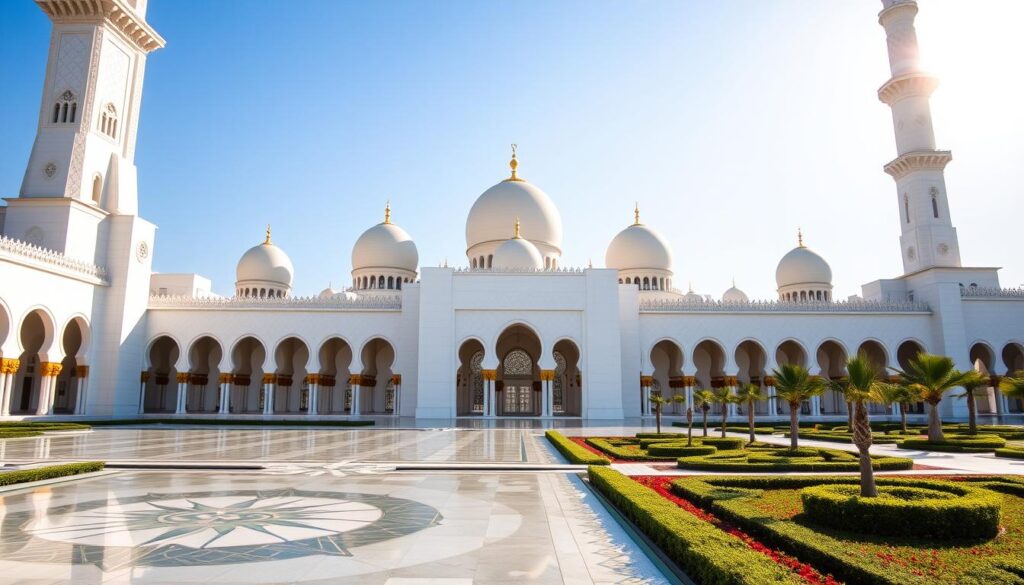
<point x="364" y="303"/>
<point x="977" y="292"/>
<point x="36" y="256"/>
<point x="694" y="306"/>
<point x="559" y="270"/>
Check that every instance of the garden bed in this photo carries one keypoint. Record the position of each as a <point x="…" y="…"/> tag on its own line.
<point x="956" y="444"/>
<point x="575" y="452"/>
<point x="644" y="447"/>
<point x="764" y="457"/>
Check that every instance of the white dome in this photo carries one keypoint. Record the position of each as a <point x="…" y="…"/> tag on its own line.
<point x="693" y="297"/>
<point x="385" y="245"/>
<point x="514" y="197"/>
<point x="734" y="295"/>
<point x="636" y="247"/>
<point x="328" y="293"/>
<point x="802" y="266"/>
<point x="518" y="254"/>
<point x="265" y="263"/>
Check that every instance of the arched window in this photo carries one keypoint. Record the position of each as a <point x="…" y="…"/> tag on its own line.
<point x="620" y="281"/>
<point x="647" y="283"/>
<point x="473" y="264"/>
<point x="803" y="295"/>
<point x="490" y="260"/>
<point x="65" y="111"/>
<point x="557" y="387"/>
<point x="629" y="280"/>
<point x="476" y="381"/>
<point x="263" y="293"/>
<point x="906" y="207"/>
<point x="108" y="121"/>
<point x="935" y="207"/>
<point x="398" y="283"/>
<point x="391" y="282"/>
<point x="97" y="185"/>
<point x="380" y="281"/>
<point x="517" y="363"/>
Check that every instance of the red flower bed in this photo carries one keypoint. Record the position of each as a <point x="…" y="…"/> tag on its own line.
<point x="662" y="485"/>
<point x="582" y="442"/>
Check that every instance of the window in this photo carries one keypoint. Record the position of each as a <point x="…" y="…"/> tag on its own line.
<point x="391" y="282"/>
<point x="108" y="121"/>
<point x="518" y="363"/>
<point x="97" y="188"/>
<point x="476" y="381"/>
<point x="557" y="388"/>
<point x="906" y="207"/>
<point x="65" y="111"/>
<point x="935" y="207"/>
<point x="398" y="284"/>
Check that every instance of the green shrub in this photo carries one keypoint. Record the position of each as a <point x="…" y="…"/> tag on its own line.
<point x="937" y="510"/>
<point x="707" y="555"/>
<point x="42" y="425"/>
<point x="777" y="458"/>
<point x="626" y="450"/>
<point x="1013" y="485"/>
<point x="956" y="444"/>
<point x="1011" y="452"/>
<point x="837" y="436"/>
<point x="679" y="449"/>
<point x="723" y="443"/>
<point x="746" y="429"/>
<point x="49" y="472"/>
<point x="669" y="436"/>
<point x="15" y="434"/>
<point x="574" y="452"/>
<point x="644" y="443"/>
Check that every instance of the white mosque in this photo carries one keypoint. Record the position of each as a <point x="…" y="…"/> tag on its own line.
<point x="87" y="328"/>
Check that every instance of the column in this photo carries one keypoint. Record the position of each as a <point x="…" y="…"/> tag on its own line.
<point x="268" y="393"/>
<point x="47" y="386"/>
<point x="489" y="376"/>
<point x="688" y="383"/>
<point x="645" y="395"/>
<point x="732" y="382"/>
<point x="773" y="400"/>
<point x="356" y="381"/>
<point x="546" y="379"/>
<point x="396" y="380"/>
<point x="9" y="367"/>
<point x="314" y="394"/>
<point x="182" y="379"/>
<point x="82" y="374"/>
<point x="4" y="391"/>
<point x="225" y="393"/>
<point x="816" y="406"/>
<point x="143" y="378"/>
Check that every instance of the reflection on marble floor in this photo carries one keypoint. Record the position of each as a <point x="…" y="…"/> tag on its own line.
<point x="389" y="528"/>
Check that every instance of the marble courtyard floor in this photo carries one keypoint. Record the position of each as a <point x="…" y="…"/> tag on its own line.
<point x="322" y="506"/>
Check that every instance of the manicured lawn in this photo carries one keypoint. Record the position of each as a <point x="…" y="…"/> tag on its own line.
<point x="771" y="509"/>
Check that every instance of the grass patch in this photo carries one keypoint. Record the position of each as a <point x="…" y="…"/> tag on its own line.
<point x="573" y="451"/>
<point x="708" y="555"/>
<point x="771" y="508"/>
<point x="48" y="472"/>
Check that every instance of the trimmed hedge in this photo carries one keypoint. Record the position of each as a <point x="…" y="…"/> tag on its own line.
<point x="957" y="444"/>
<point x="644" y="443"/>
<point x="5" y="434"/>
<point x="1008" y="432"/>
<point x="936" y="510"/>
<point x="746" y="430"/>
<point x="723" y="443"/>
<point x="25" y="425"/>
<point x="1013" y="485"/>
<point x="620" y="449"/>
<point x="680" y="449"/>
<point x="730" y="498"/>
<point x="573" y="451"/>
<point x="782" y="459"/>
<point x="48" y="472"/>
<point x="842" y="437"/>
<point x="707" y="555"/>
<point x="1010" y="452"/>
<point x="668" y="436"/>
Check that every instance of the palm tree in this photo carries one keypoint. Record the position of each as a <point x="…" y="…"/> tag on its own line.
<point x="864" y="386"/>
<point x="703" y="399"/>
<point x="931" y="376"/>
<point x="901" y="395"/>
<point x="725" y="397"/>
<point x="1013" y="386"/>
<point x="795" y="384"/>
<point x="971" y="385"/>
<point x="658" y="401"/>
<point x="749" y="394"/>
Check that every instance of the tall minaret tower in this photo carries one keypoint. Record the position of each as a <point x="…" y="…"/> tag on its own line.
<point x="82" y="166"/>
<point x="928" y="238"/>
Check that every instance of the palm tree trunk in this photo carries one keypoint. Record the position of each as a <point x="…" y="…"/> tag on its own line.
<point x="725" y="414"/>
<point x="705" y="411"/>
<point x="794" y="426"/>
<point x="903" y="417"/>
<point x="689" y="427"/>
<point x="862" y="438"/>
<point x="972" y="414"/>
<point x="750" y="419"/>
<point x="935" y="423"/>
<point x="657" y="417"/>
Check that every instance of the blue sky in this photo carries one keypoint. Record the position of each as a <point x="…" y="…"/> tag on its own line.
<point x="731" y="123"/>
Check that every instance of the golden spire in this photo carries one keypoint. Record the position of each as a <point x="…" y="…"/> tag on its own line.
<point x="514" y="164"/>
<point x="636" y="213"/>
<point x="800" y="238"/>
<point x="516" y="236"/>
<point x="387" y="212"/>
<point x="267" y="241"/>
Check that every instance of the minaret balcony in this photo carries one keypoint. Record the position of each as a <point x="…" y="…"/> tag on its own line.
<point x="908" y="85"/>
<point x="920" y="160"/>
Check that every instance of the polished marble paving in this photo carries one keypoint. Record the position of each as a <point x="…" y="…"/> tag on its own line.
<point x="328" y="508"/>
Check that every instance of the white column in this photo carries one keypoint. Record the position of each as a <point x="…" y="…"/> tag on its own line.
<point x="816" y="406"/>
<point x="182" y="393"/>
<point x="268" y="397"/>
<point x="773" y="402"/>
<point x="398" y="399"/>
<point x="733" y="407"/>
<point x="47" y="387"/>
<point x="544" y="398"/>
<point x="225" y="394"/>
<point x="83" y="389"/>
<point x="645" y="396"/>
<point x="5" y="389"/>
<point x="314" y="396"/>
<point x="487" y="398"/>
<point x="355" y="400"/>
<point x="142" y="391"/>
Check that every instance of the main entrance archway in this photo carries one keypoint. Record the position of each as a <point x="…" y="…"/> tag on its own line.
<point x="518" y="386"/>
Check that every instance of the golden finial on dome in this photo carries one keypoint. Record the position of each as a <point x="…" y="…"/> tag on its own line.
<point x="636" y="213"/>
<point x="267" y="241"/>
<point x="800" y="238"/>
<point x="514" y="164"/>
<point x="387" y="212"/>
<point x="516" y="236"/>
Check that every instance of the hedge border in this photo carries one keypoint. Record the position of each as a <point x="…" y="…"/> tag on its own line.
<point x="573" y="451"/>
<point x="680" y="449"/>
<point x="971" y="514"/>
<point x="819" y="550"/>
<point x="879" y="463"/>
<point x="973" y="444"/>
<point x="604" y="445"/>
<point x="48" y="472"/>
<point x="705" y="553"/>
<point x="1010" y="452"/>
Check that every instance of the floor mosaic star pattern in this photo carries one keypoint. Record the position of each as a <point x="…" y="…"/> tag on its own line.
<point x="212" y="528"/>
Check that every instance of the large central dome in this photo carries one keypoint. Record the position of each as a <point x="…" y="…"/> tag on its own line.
<point x="514" y="197"/>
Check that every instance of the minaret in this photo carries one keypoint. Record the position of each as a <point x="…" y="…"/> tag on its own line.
<point x="928" y="238"/>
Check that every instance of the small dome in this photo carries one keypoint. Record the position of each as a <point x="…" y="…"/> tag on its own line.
<point x="385" y="245"/>
<point x="693" y="297"/>
<point x="638" y="247"/>
<point x="802" y="266"/>
<point x="518" y="253"/>
<point x="328" y="293"/>
<point x="734" y="295"/>
<point x="265" y="263"/>
<point x="514" y="197"/>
